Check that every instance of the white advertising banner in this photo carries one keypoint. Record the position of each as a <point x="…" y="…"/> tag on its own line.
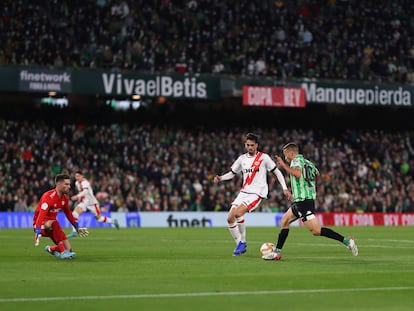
<point x="195" y="219"/>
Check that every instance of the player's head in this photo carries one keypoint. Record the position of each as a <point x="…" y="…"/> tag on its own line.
<point x="251" y="143"/>
<point x="79" y="175"/>
<point x="62" y="182"/>
<point x="290" y="150"/>
<point x="252" y="137"/>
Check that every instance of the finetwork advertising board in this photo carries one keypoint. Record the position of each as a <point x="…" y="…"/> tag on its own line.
<point x="211" y="219"/>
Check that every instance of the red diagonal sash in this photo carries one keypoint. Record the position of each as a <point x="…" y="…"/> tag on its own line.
<point x="255" y="166"/>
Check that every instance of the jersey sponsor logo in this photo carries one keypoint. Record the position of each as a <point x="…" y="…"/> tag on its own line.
<point x="54" y="210"/>
<point x="250" y="170"/>
<point x="254" y="169"/>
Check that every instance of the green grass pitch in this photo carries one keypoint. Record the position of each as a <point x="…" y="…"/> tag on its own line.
<point x="193" y="269"/>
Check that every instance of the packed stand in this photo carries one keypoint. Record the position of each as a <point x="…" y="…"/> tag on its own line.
<point x="167" y="168"/>
<point x="331" y="39"/>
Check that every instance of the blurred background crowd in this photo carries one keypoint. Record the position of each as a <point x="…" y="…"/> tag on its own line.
<point x="332" y="39"/>
<point x="139" y="166"/>
<point x="164" y="168"/>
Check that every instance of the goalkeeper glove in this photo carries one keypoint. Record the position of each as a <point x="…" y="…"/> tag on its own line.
<point x="38" y="234"/>
<point x="83" y="232"/>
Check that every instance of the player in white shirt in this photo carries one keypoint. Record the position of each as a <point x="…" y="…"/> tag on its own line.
<point x="87" y="201"/>
<point x="254" y="166"/>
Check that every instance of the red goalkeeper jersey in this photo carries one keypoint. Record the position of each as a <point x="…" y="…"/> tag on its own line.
<point x="49" y="206"/>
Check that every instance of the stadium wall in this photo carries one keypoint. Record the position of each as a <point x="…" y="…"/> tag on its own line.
<point x="211" y="219"/>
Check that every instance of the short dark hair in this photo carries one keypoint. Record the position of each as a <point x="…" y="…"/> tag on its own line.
<point x="251" y="136"/>
<point x="61" y="177"/>
<point x="291" y="146"/>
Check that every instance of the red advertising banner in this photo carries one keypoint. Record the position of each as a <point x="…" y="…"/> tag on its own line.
<point x="365" y="219"/>
<point x="271" y="96"/>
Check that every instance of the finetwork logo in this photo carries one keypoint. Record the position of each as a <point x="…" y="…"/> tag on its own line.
<point x="37" y="80"/>
<point x="159" y="86"/>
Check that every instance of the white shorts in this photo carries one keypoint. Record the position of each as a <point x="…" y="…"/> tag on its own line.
<point x="93" y="208"/>
<point x="251" y="200"/>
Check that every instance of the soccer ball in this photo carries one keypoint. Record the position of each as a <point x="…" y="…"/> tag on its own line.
<point x="266" y="248"/>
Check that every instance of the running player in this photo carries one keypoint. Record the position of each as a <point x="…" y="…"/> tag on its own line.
<point x="303" y="174"/>
<point x="254" y="166"/>
<point x="87" y="201"/>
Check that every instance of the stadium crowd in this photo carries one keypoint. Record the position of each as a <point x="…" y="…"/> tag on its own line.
<point x="330" y="39"/>
<point x="167" y="168"/>
<point x="149" y="167"/>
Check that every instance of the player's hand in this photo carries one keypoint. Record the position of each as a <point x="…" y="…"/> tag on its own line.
<point x="83" y="232"/>
<point x="38" y="234"/>
<point x="216" y="179"/>
<point x="288" y="194"/>
<point x="280" y="161"/>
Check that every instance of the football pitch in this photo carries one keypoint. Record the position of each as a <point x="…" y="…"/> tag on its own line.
<point x="193" y="269"/>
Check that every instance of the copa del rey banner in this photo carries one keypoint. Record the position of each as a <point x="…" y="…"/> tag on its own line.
<point x="366" y="219"/>
<point x="272" y="96"/>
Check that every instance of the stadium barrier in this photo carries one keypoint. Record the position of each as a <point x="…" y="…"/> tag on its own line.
<point x="211" y="219"/>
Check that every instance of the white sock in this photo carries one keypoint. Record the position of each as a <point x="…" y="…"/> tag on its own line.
<point x="234" y="231"/>
<point x="105" y="219"/>
<point x="242" y="228"/>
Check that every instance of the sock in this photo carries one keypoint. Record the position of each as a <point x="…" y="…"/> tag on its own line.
<point x="105" y="219"/>
<point x="242" y="228"/>
<point x="283" y="234"/>
<point x="345" y="241"/>
<point x="329" y="233"/>
<point x="235" y="232"/>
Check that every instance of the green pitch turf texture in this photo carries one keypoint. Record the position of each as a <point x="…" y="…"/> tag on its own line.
<point x="193" y="269"/>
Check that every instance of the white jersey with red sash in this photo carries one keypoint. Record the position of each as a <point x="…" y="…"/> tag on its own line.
<point x="254" y="170"/>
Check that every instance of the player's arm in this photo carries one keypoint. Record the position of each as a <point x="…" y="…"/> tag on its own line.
<point x="294" y="171"/>
<point x="80" y="194"/>
<point x="282" y="182"/>
<point x="69" y="216"/>
<point x="44" y="208"/>
<point x="280" y="178"/>
<point x="227" y="176"/>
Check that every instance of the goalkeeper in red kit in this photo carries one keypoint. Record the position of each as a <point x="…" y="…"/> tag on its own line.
<point x="45" y="222"/>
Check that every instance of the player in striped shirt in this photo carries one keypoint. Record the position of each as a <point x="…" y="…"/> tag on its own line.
<point x="303" y="174"/>
<point x="254" y="166"/>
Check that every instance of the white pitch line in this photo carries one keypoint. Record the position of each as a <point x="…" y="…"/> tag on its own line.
<point x="211" y="294"/>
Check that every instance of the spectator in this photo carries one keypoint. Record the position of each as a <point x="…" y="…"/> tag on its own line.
<point x="20" y="205"/>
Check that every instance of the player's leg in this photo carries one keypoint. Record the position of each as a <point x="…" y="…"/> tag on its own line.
<point x="232" y="224"/>
<point x="95" y="209"/>
<point x="63" y="247"/>
<point x="78" y="210"/>
<point x="249" y="203"/>
<point x="317" y="230"/>
<point x="241" y="225"/>
<point x="287" y="219"/>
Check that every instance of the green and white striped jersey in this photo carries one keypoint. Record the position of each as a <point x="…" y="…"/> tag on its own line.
<point x="304" y="187"/>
